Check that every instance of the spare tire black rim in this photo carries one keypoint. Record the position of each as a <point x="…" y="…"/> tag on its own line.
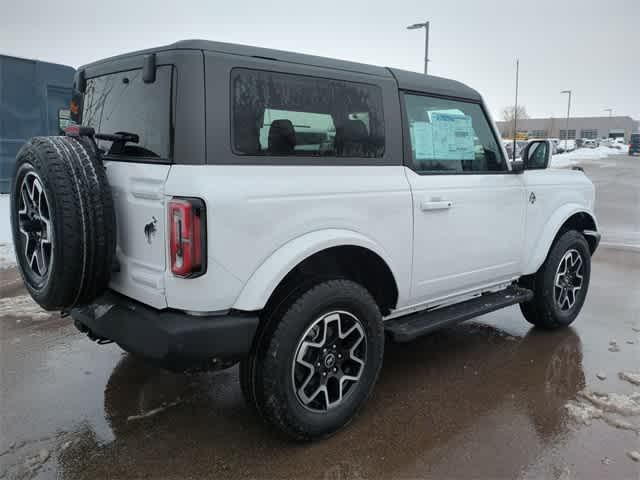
<point x="329" y="361"/>
<point x="34" y="224"/>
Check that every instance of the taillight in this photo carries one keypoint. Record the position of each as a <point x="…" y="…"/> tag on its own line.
<point x="187" y="237"/>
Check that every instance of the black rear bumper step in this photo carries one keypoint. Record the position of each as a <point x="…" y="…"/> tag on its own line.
<point x="409" y="327"/>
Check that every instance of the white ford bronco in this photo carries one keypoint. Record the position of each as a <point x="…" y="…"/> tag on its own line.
<point x="219" y="203"/>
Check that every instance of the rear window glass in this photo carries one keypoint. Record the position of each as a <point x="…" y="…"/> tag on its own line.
<point x="122" y="102"/>
<point x="282" y="114"/>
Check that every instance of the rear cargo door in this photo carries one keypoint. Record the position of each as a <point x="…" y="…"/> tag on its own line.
<point x="137" y="171"/>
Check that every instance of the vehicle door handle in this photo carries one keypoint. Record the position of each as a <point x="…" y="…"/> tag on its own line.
<point x="427" y="205"/>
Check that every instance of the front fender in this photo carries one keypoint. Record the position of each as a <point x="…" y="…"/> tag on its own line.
<point x="266" y="278"/>
<point x="542" y="245"/>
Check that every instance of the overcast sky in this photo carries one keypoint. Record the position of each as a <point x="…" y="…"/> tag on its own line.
<point x="589" y="46"/>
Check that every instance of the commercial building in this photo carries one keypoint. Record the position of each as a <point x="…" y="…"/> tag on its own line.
<point x="579" y="127"/>
<point x="34" y="100"/>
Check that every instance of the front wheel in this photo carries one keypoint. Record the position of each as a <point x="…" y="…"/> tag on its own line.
<point x="560" y="285"/>
<point x="319" y="362"/>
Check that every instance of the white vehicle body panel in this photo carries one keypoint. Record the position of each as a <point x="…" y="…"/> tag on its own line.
<point x="559" y="194"/>
<point x="139" y="200"/>
<point x="474" y="239"/>
<point x="263" y="220"/>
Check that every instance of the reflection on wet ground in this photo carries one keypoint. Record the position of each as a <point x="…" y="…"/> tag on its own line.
<point x="484" y="399"/>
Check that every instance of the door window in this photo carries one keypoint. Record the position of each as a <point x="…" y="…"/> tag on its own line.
<point x="450" y="136"/>
<point x="280" y="114"/>
<point x="122" y="102"/>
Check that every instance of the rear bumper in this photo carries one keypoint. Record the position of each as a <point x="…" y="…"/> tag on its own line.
<point x="169" y="338"/>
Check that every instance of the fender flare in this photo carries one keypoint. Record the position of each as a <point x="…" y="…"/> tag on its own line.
<point x="269" y="274"/>
<point x="551" y="229"/>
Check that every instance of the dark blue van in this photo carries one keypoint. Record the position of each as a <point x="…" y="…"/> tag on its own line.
<point x="34" y="100"/>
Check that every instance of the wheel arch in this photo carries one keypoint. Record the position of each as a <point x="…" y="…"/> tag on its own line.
<point x="322" y="254"/>
<point x="568" y="217"/>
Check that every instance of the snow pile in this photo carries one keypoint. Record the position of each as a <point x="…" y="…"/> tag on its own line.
<point x="22" y="306"/>
<point x="561" y="160"/>
<point x="617" y="410"/>
<point x="7" y="257"/>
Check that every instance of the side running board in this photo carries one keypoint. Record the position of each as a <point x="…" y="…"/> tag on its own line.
<point x="409" y="327"/>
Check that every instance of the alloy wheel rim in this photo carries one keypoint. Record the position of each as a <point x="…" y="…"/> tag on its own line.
<point x="34" y="225"/>
<point x="568" y="280"/>
<point x="329" y="361"/>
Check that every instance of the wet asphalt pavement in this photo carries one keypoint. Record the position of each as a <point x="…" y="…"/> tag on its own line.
<point x="491" y="398"/>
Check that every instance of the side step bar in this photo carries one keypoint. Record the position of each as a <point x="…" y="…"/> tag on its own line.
<point x="409" y="327"/>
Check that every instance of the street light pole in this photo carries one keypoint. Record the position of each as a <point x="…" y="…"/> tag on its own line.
<point x="424" y="25"/>
<point x="566" y="128"/>
<point x="515" y="111"/>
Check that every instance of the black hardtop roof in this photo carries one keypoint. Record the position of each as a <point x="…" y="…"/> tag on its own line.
<point x="406" y="80"/>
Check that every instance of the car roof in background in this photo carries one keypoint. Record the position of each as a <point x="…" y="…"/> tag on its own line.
<point x="406" y="80"/>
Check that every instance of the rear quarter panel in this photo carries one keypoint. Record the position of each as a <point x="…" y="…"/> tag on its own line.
<point x="255" y="211"/>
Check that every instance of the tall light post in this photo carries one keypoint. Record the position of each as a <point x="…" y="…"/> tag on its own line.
<point x="515" y="110"/>
<point x="424" y="25"/>
<point x="566" y="128"/>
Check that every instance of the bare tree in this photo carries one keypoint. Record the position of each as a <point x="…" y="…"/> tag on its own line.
<point x="509" y="115"/>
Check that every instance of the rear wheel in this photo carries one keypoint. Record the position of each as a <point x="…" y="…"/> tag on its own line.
<point x="560" y="285"/>
<point x="317" y="364"/>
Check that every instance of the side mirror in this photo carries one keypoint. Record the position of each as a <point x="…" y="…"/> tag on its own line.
<point x="536" y="155"/>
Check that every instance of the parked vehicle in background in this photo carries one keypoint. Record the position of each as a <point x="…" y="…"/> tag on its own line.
<point x="589" y="143"/>
<point x="618" y="143"/>
<point x="552" y="144"/>
<point x="508" y="145"/>
<point x="634" y="144"/>
<point x="289" y="212"/>
<point x="34" y="100"/>
<point x="566" y="146"/>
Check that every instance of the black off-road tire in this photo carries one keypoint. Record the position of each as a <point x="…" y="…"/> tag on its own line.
<point x="82" y="221"/>
<point x="268" y="379"/>
<point x="543" y="310"/>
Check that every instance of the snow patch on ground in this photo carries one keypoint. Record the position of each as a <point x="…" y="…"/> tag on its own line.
<point x="617" y="410"/>
<point x="562" y="160"/>
<point x="7" y="255"/>
<point x="22" y="306"/>
<point x="631" y="377"/>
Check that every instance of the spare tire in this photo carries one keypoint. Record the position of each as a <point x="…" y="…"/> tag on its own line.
<point x="63" y="221"/>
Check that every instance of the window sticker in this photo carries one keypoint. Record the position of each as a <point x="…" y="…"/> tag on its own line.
<point x="452" y="136"/>
<point x="422" y="140"/>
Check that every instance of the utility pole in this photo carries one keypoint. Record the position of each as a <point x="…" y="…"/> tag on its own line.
<point x="566" y="129"/>
<point x="515" y="110"/>
<point x="424" y="25"/>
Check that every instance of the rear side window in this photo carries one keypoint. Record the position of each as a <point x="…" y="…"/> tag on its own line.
<point x="122" y="102"/>
<point x="451" y="136"/>
<point x="282" y="114"/>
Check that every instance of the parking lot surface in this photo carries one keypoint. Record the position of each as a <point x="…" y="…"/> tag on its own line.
<point x="491" y="398"/>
